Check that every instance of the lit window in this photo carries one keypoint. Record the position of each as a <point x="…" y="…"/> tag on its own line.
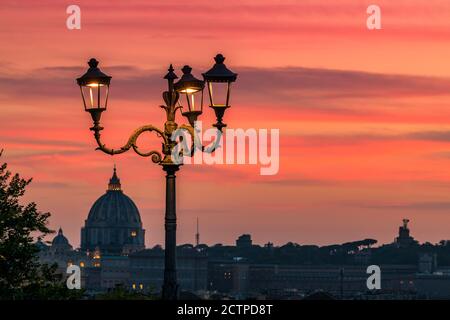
<point x="82" y="264"/>
<point x="133" y="286"/>
<point x="133" y="233"/>
<point x="141" y="286"/>
<point x="97" y="264"/>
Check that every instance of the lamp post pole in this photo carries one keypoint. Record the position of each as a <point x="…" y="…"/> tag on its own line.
<point x="170" y="286"/>
<point x="94" y="86"/>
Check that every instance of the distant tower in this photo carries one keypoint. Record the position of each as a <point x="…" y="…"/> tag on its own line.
<point x="244" y="241"/>
<point x="197" y="236"/>
<point x="404" y="239"/>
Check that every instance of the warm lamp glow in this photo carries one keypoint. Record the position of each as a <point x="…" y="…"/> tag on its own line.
<point x="95" y="85"/>
<point x="189" y="90"/>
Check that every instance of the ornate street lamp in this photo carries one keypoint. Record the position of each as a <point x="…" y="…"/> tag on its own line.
<point x="94" y="86"/>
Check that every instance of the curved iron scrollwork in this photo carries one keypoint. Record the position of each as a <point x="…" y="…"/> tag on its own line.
<point x="132" y="143"/>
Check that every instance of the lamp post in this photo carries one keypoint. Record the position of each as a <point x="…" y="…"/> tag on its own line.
<point x="94" y="86"/>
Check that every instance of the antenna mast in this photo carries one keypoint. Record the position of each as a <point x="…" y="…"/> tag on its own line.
<point x="197" y="236"/>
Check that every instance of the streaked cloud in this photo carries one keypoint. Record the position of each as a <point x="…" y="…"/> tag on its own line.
<point x="423" y="206"/>
<point x="362" y="115"/>
<point x="290" y="86"/>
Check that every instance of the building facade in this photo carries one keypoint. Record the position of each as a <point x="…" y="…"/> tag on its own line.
<point x="147" y="269"/>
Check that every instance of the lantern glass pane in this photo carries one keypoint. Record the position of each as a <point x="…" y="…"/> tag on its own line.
<point x="194" y="100"/>
<point x="219" y="94"/>
<point x="95" y="95"/>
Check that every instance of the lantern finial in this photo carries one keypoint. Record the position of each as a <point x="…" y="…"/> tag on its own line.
<point x="186" y="69"/>
<point x="219" y="58"/>
<point x="93" y="63"/>
<point x="171" y="74"/>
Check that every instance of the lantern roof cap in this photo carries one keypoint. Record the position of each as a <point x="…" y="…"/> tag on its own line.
<point x="93" y="75"/>
<point x="219" y="72"/>
<point x="188" y="81"/>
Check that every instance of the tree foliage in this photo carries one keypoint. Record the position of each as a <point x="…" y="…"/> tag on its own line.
<point x="21" y="275"/>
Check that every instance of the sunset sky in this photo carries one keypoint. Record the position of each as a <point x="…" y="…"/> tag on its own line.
<point x="364" y="116"/>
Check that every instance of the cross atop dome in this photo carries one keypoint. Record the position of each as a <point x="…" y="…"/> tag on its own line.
<point x="114" y="182"/>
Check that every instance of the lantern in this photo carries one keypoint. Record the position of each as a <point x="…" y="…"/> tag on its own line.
<point x="218" y="80"/>
<point x="192" y="89"/>
<point x="94" y="86"/>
